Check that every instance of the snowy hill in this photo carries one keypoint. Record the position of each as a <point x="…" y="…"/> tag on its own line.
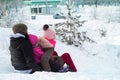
<point x="99" y="61"/>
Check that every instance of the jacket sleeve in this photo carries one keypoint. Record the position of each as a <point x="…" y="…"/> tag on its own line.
<point x="28" y="54"/>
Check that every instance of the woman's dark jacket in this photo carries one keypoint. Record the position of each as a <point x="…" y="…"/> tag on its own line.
<point x="22" y="54"/>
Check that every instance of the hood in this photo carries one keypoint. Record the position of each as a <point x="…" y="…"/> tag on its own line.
<point x="16" y="40"/>
<point x="17" y="35"/>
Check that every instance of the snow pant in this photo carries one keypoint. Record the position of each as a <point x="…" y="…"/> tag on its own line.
<point x="68" y="60"/>
<point x="55" y="53"/>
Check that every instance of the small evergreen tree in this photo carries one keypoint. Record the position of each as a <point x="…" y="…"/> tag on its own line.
<point x="69" y="31"/>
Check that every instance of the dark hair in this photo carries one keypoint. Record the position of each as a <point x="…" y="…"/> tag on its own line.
<point x="45" y="27"/>
<point x="20" y="28"/>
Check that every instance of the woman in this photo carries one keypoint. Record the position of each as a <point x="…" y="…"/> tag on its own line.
<point x="21" y="50"/>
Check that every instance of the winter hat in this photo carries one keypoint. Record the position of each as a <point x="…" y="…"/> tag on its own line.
<point x="20" y="28"/>
<point x="45" y="27"/>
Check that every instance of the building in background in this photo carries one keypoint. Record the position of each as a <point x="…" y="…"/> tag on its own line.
<point x="42" y="6"/>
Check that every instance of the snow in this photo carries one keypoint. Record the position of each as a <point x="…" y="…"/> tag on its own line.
<point x="94" y="61"/>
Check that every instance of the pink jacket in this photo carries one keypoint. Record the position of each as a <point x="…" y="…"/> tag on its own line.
<point x="38" y="52"/>
<point x="52" y="41"/>
<point x="44" y="43"/>
<point x="49" y="33"/>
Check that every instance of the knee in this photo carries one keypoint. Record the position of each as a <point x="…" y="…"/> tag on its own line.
<point x="65" y="55"/>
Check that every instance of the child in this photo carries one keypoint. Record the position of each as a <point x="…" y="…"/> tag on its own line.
<point x="48" y="61"/>
<point x="21" y="50"/>
<point x="49" y="34"/>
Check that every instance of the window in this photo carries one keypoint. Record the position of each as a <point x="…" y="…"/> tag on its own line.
<point x="34" y="10"/>
<point x="40" y="10"/>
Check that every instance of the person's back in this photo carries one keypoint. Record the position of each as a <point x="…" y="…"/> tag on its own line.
<point x="37" y="50"/>
<point x="16" y="44"/>
<point x="21" y="50"/>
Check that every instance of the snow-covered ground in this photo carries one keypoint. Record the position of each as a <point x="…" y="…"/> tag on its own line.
<point x="99" y="61"/>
